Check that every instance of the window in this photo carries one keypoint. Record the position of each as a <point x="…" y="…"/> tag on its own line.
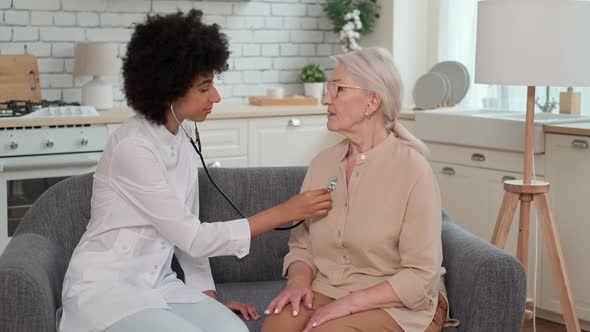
<point x="456" y="41"/>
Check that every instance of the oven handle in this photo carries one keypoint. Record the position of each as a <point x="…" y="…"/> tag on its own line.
<point x="27" y="164"/>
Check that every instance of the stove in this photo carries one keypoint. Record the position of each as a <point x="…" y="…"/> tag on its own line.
<point x="35" y="156"/>
<point x="16" y="108"/>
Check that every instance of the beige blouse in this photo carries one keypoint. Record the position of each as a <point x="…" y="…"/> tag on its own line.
<point x="385" y="225"/>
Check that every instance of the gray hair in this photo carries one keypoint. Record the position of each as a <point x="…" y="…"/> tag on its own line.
<point x="373" y="69"/>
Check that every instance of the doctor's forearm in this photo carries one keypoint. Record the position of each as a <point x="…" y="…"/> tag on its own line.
<point x="269" y="219"/>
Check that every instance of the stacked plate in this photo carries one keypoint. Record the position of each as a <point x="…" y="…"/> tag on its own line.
<point x="444" y="85"/>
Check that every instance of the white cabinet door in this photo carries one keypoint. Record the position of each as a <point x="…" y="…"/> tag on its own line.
<point x="472" y="198"/>
<point x="460" y="196"/>
<point x="288" y="141"/>
<point x="567" y="163"/>
<point x="223" y="138"/>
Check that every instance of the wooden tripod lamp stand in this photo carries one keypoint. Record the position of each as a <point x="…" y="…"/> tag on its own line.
<point x="534" y="43"/>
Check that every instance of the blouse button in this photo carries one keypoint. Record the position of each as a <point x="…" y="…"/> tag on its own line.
<point x="155" y="267"/>
<point x="339" y="233"/>
<point x="124" y="247"/>
<point x="362" y="157"/>
<point x="344" y="259"/>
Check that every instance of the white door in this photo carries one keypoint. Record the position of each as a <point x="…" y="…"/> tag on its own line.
<point x="567" y="162"/>
<point x="288" y="141"/>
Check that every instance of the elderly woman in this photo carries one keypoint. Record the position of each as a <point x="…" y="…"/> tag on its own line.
<point x="145" y="200"/>
<point x="374" y="262"/>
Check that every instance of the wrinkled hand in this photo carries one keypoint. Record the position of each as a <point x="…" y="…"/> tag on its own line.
<point x="311" y="203"/>
<point x="246" y="310"/>
<point x="338" y="308"/>
<point x="297" y="291"/>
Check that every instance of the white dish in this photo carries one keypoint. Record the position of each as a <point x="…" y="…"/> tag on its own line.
<point x="431" y="91"/>
<point x="458" y="77"/>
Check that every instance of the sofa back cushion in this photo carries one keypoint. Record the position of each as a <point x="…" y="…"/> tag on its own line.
<point x="252" y="190"/>
<point x="62" y="213"/>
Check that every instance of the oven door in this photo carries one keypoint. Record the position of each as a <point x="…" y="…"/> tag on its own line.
<point x="24" y="179"/>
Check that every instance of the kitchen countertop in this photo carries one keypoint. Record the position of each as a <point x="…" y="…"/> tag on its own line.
<point x="578" y="129"/>
<point x="221" y="111"/>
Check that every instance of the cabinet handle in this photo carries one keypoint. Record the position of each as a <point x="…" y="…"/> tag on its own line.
<point x="478" y="157"/>
<point x="294" y="123"/>
<point x="579" y="144"/>
<point x="448" y="171"/>
<point x="214" y="164"/>
<point x="508" y="178"/>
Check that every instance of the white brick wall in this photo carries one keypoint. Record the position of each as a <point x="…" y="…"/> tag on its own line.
<point x="5" y="4"/>
<point x="41" y="18"/>
<point x="36" y="4"/>
<point x="25" y="34"/>
<point x="64" y="19"/>
<point x="5" y="34"/>
<point x="270" y="40"/>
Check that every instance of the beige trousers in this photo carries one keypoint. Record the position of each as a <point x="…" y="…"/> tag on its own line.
<point x="366" y="321"/>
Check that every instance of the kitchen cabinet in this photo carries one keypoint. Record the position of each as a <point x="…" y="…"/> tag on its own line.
<point x="566" y="163"/>
<point x="262" y="141"/>
<point x="471" y="184"/>
<point x="288" y="141"/>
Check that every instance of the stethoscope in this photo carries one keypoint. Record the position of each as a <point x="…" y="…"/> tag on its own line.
<point x="196" y="143"/>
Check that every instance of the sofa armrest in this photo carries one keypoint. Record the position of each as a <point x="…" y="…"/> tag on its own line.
<point x="486" y="286"/>
<point x="32" y="269"/>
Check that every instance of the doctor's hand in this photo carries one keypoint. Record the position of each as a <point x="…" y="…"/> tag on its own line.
<point x="311" y="203"/>
<point x="246" y="310"/>
<point x="298" y="290"/>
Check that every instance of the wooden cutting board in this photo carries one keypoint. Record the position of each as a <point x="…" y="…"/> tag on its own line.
<point x="19" y="78"/>
<point x="287" y="101"/>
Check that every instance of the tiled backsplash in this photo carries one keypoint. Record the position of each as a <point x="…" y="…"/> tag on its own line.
<point x="270" y="40"/>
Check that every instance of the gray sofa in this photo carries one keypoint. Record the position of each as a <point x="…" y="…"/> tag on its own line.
<point x="486" y="287"/>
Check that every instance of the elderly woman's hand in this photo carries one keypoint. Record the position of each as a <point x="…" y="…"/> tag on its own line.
<point x="298" y="289"/>
<point x="336" y="309"/>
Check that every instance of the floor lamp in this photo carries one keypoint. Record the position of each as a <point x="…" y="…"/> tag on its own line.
<point x="533" y="43"/>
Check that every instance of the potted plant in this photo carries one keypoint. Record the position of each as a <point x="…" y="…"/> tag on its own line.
<point x="352" y="19"/>
<point x="313" y="78"/>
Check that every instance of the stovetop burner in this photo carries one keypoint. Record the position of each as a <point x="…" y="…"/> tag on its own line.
<point x="15" y="108"/>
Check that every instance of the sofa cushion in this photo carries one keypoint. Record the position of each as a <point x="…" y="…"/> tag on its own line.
<point x="258" y="294"/>
<point x="253" y="190"/>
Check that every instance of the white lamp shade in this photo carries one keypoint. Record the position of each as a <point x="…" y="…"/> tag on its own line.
<point x="533" y="42"/>
<point x="96" y="59"/>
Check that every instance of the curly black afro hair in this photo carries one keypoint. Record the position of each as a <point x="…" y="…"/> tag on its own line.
<point x="164" y="57"/>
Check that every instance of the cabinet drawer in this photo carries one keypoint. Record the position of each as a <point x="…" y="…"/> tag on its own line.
<point x="288" y="141"/>
<point x="483" y="158"/>
<point x="224" y="138"/>
<point x="575" y="144"/>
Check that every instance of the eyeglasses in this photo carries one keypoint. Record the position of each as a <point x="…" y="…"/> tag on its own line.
<point x="332" y="88"/>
